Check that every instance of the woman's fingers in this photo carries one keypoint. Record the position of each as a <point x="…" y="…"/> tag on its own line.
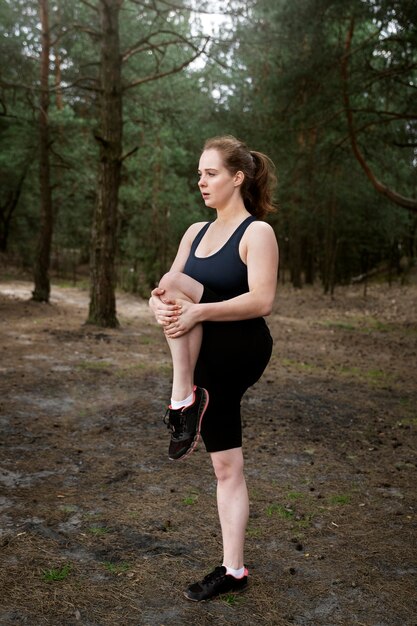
<point x="166" y="321"/>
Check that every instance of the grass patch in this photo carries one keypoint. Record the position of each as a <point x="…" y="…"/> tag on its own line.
<point x="232" y="599"/>
<point x="379" y="326"/>
<point x="360" y="324"/>
<point x="339" y="325"/>
<point x="376" y="375"/>
<point x="116" y="568"/>
<point x="295" y="495"/>
<point x="94" y="365"/>
<point x="299" y="365"/>
<point x="56" y="574"/>
<point x="98" y="530"/>
<point x="281" y="511"/>
<point x="68" y="508"/>
<point x="306" y="521"/>
<point x="131" y="370"/>
<point x="67" y="283"/>
<point x="373" y="376"/>
<point x="407" y="421"/>
<point x="145" y="341"/>
<point x="340" y="499"/>
<point x="253" y="532"/>
<point x="190" y="499"/>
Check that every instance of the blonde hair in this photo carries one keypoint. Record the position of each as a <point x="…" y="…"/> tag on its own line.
<point x="258" y="169"/>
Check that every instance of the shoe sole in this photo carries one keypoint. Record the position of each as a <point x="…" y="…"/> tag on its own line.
<point x="198" y="432"/>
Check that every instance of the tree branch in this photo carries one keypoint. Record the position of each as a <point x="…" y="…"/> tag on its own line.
<point x="174" y="70"/>
<point x="400" y="200"/>
<point x="90" y="31"/>
<point x="128" y="154"/>
<point x="390" y="114"/>
<point x="89" y="5"/>
<point x="145" y="48"/>
<point x="171" y="6"/>
<point x="137" y="47"/>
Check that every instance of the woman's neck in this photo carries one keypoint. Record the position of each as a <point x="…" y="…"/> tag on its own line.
<point x="232" y="214"/>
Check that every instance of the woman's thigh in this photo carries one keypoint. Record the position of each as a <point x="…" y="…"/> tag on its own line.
<point x="179" y="285"/>
<point x="232" y="358"/>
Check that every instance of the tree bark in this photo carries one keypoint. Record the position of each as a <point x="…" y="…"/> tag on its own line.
<point x="295" y="245"/>
<point x="330" y="246"/>
<point x="57" y="65"/>
<point x="7" y="209"/>
<point x="42" y="287"/>
<point x="102" y="310"/>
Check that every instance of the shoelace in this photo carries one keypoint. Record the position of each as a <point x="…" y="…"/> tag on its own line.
<point x="215" y="575"/>
<point x="181" y="421"/>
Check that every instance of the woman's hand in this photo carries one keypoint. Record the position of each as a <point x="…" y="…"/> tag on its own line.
<point x="166" y="311"/>
<point x="183" y="322"/>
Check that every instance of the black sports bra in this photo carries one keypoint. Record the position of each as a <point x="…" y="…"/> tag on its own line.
<point x="223" y="272"/>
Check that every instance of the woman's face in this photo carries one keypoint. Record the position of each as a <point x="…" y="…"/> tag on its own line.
<point x="216" y="184"/>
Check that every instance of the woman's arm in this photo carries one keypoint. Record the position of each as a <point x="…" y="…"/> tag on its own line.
<point x="185" y="246"/>
<point x="156" y="301"/>
<point x="262" y="261"/>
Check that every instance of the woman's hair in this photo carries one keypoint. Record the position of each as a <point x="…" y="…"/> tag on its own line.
<point x="258" y="169"/>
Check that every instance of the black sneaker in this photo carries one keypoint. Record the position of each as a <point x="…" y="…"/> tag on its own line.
<point x="185" y="425"/>
<point x="216" y="583"/>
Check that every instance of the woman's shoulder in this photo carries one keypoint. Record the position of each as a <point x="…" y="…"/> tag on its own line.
<point x="194" y="229"/>
<point x="260" y="228"/>
<point x="260" y="236"/>
<point x="198" y="225"/>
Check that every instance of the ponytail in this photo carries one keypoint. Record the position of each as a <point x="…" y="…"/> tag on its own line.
<point x="258" y="192"/>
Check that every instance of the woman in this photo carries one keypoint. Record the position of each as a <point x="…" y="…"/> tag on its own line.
<point x="211" y="306"/>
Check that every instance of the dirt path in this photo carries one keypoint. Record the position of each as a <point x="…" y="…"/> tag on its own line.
<point x="98" y="528"/>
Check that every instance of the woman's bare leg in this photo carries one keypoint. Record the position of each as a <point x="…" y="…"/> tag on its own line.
<point x="184" y="349"/>
<point x="232" y="503"/>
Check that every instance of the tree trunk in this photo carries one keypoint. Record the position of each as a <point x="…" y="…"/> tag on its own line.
<point x="7" y="209"/>
<point x="308" y="246"/>
<point x="330" y="247"/>
<point x="42" y="288"/>
<point x="102" y="311"/>
<point x="295" y="246"/>
<point x="59" y="101"/>
<point x="159" y="221"/>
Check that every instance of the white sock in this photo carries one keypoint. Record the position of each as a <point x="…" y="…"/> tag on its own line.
<point x="237" y="573"/>
<point x="179" y="404"/>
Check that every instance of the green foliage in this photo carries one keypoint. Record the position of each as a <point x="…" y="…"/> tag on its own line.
<point x="272" y="77"/>
<point x="331" y="222"/>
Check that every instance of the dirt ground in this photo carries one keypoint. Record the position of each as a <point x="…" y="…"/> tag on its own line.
<point x="98" y="527"/>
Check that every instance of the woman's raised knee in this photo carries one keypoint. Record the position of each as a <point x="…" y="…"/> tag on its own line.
<point x="170" y="280"/>
<point x="180" y="285"/>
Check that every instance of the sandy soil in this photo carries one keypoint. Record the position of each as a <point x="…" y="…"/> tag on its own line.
<point x="98" y="528"/>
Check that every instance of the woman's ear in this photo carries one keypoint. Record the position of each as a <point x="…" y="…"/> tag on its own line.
<point x="239" y="177"/>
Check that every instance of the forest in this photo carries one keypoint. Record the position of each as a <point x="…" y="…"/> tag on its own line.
<point x="104" y="108"/>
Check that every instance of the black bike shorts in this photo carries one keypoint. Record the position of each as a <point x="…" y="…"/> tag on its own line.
<point x="232" y="358"/>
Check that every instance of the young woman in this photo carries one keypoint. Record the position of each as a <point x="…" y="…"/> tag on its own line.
<point x="211" y="306"/>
